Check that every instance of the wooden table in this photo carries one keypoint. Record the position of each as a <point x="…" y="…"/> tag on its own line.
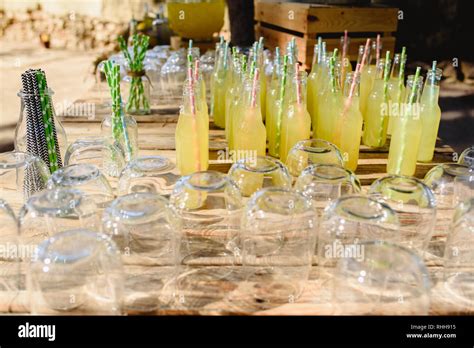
<point x="156" y="136"/>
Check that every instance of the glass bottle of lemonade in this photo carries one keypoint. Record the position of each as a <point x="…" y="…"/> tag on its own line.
<point x="406" y="132"/>
<point x="231" y="92"/>
<point x="396" y="94"/>
<point x="330" y="104"/>
<point x="430" y="115"/>
<point x="376" y="113"/>
<point x="296" y="122"/>
<point x="322" y="75"/>
<point x="367" y="76"/>
<point x="249" y="133"/>
<point x="272" y="97"/>
<point x="192" y="134"/>
<point x="218" y="88"/>
<point x="349" y="123"/>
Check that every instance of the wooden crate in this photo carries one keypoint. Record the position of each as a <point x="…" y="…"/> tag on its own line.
<point x="279" y="22"/>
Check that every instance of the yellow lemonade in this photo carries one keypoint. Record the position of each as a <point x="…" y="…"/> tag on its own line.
<point x="406" y="132"/>
<point x="348" y="130"/>
<point x="296" y="122"/>
<point x="430" y="115"/>
<point x="376" y="113"/>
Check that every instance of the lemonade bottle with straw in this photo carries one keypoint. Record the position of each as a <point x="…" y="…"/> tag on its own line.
<point x="396" y="86"/>
<point x="430" y="114"/>
<point x="296" y="122"/>
<point x="407" y="129"/>
<point x="376" y="112"/>
<point x="349" y="123"/>
<point x="218" y="88"/>
<point x="271" y="98"/>
<point x="191" y="136"/>
<point x="249" y="133"/>
<point x="330" y="103"/>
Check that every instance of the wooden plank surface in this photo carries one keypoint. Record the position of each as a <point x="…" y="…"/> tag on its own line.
<point x="232" y="296"/>
<point x="312" y="19"/>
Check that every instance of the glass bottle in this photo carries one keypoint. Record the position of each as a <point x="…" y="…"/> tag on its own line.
<point x="21" y="131"/>
<point x="430" y="115"/>
<point x="376" y="113"/>
<point x="249" y="132"/>
<point x="348" y="128"/>
<point x="191" y="136"/>
<point x="406" y="135"/>
<point x="112" y="130"/>
<point x="296" y="121"/>
<point x="318" y="83"/>
<point x="231" y="93"/>
<point x="395" y="92"/>
<point x="218" y="88"/>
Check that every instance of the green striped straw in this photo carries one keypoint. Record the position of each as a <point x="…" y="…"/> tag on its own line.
<point x="386" y="74"/>
<point x="282" y="96"/>
<point x="414" y="90"/>
<point x="47" y="121"/>
<point x="190" y="44"/>
<point x="401" y="73"/>
<point x="244" y="63"/>
<point x="320" y="46"/>
<point x="332" y="70"/>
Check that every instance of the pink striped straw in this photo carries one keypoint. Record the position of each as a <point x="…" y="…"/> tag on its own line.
<point x="344" y="45"/>
<point x="298" y="86"/>
<point x="191" y="92"/>
<point x="377" y="51"/>
<point x="253" y="101"/>
<point x="196" y="70"/>
<point x="364" y="56"/>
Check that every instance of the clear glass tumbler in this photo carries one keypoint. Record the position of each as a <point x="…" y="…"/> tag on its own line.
<point x="21" y="175"/>
<point x="459" y="256"/>
<point x="324" y="183"/>
<point x="387" y="280"/>
<point x="76" y="272"/>
<point x="253" y="174"/>
<point x="415" y="205"/>
<point x="108" y="157"/>
<point x="153" y="174"/>
<point x="313" y="151"/>
<point x="347" y="222"/>
<point x="52" y="211"/>
<point x="88" y="179"/>
<point x="279" y="229"/>
<point x="146" y="231"/>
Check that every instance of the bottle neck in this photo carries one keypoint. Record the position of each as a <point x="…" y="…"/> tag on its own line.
<point x="431" y="88"/>
<point x="351" y="85"/>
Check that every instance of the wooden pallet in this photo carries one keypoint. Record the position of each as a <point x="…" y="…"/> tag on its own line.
<point x="279" y="22"/>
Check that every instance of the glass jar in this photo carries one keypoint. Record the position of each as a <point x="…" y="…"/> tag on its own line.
<point x="253" y="174"/>
<point x="28" y="105"/>
<point x="135" y="88"/>
<point x="313" y="151"/>
<point x="146" y="231"/>
<point x="153" y="174"/>
<point x="76" y="272"/>
<point x="21" y="175"/>
<point x="126" y="141"/>
<point x="387" y="280"/>
<point x="278" y="232"/>
<point x="415" y="205"/>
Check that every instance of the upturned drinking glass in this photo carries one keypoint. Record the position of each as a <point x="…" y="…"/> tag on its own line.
<point x="253" y="174"/>
<point x="324" y="183"/>
<point x="467" y="157"/>
<point x="278" y="232"/>
<point x="146" y="231"/>
<point x="312" y="151"/>
<point x="52" y="211"/>
<point x="387" y="280"/>
<point x="153" y="174"/>
<point x="21" y="175"/>
<point x="76" y="272"/>
<point x="9" y="253"/>
<point x="209" y="204"/>
<point x="459" y="255"/>
<point x="108" y="157"/>
<point x="415" y="205"/>
<point x="347" y="222"/>
<point x="441" y="180"/>
<point x="88" y="179"/>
